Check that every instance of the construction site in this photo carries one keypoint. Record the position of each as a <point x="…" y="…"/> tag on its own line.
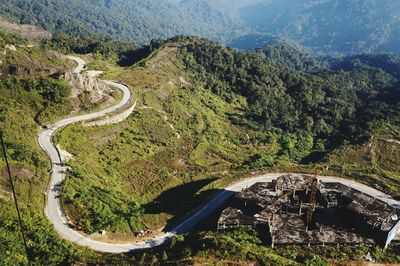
<point x="300" y="209"/>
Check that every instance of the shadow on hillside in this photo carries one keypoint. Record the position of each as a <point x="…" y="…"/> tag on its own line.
<point x="178" y="201"/>
<point x="314" y="157"/>
<point x="131" y="57"/>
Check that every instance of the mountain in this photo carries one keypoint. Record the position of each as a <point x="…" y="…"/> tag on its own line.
<point x="326" y="26"/>
<point x="344" y="26"/>
<point x="293" y="58"/>
<point x="206" y="116"/>
<point x="136" y="20"/>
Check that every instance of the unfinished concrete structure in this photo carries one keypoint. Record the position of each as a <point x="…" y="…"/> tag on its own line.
<point x="299" y="209"/>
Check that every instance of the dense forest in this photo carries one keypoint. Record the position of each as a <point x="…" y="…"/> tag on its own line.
<point x="325" y="108"/>
<point x="138" y="21"/>
<point x="234" y="103"/>
<point x="347" y="27"/>
<point x="285" y="55"/>
<point x="328" y="26"/>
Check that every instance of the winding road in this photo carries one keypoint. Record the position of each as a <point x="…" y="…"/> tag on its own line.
<point x="56" y="216"/>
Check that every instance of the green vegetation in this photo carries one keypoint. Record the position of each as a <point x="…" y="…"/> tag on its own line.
<point x="138" y="21"/>
<point x="346" y="27"/>
<point x="243" y="246"/>
<point x="208" y="115"/>
<point x="288" y="56"/>
<point x="178" y="140"/>
<point x="332" y="106"/>
<point x="26" y="104"/>
<point x="26" y="54"/>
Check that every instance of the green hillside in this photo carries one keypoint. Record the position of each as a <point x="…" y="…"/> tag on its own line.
<point x="27" y="103"/>
<point x="347" y="26"/>
<point x="138" y="21"/>
<point x="329" y="26"/>
<point x="206" y="116"/>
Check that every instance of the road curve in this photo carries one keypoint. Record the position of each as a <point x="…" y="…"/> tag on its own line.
<point x="54" y="213"/>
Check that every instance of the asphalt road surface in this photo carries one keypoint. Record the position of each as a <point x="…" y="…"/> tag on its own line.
<point x="55" y="215"/>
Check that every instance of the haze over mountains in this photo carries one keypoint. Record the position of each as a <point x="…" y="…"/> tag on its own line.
<point x="202" y="116"/>
<point x="334" y="26"/>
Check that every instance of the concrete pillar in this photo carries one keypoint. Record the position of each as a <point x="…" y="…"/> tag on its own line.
<point x="301" y="205"/>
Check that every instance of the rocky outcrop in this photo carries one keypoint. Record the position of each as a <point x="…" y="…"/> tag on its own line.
<point x="87" y="90"/>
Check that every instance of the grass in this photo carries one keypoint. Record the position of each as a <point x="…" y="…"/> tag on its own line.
<point x="243" y="246"/>
<point x="181" y="133"/>
<point x="150" y="170"/>
<point x="25" y="105"/>
<point x="376" y="161"/>
<point x="111" y="70"/>
<point x="182" y="136"/>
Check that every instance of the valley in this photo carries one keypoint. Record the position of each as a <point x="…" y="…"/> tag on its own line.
<point x="326" y="27"/>
<point x="154" y="154"/>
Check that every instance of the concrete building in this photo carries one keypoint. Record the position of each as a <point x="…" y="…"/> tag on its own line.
<point x="298" y="209"/>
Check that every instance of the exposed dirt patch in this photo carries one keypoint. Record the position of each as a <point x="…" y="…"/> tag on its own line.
<point x="102" y="137"/>
<point x="88" y="91"/>
<point x="16" y="173"/>
<point x="28" y="31"/>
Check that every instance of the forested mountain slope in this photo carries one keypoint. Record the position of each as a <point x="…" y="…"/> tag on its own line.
<point x="135" y="20"/>
<point x="344" y="26"/>
<point x="206" y="116"/>
<point x="332" y="26"/>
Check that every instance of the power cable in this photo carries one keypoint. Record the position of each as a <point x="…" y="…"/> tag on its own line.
<point x="15" y="199"/>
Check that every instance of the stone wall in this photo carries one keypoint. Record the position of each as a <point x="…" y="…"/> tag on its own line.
<point x="112" y="118"/>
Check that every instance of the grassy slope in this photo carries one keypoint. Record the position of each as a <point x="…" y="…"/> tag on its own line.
<point x="179" y="134"/>
<point x="376" y="161"/>
<point x="177" y="144"/>
<point x="143" y="160"/>
<point x="25" y="105"/>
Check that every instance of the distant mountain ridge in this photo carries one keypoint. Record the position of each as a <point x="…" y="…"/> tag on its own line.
<point x="326" y="26"/>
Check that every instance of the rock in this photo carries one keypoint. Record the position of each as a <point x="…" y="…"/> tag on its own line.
<point x="11" y="47"/>
<point x="97" y="91"/>
<point x="368" y="257"/>
<point x="65" y="156"/>
<point x="94" y="73"/>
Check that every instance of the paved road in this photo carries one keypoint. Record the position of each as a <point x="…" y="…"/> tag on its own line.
<point x="55" y="215"/>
